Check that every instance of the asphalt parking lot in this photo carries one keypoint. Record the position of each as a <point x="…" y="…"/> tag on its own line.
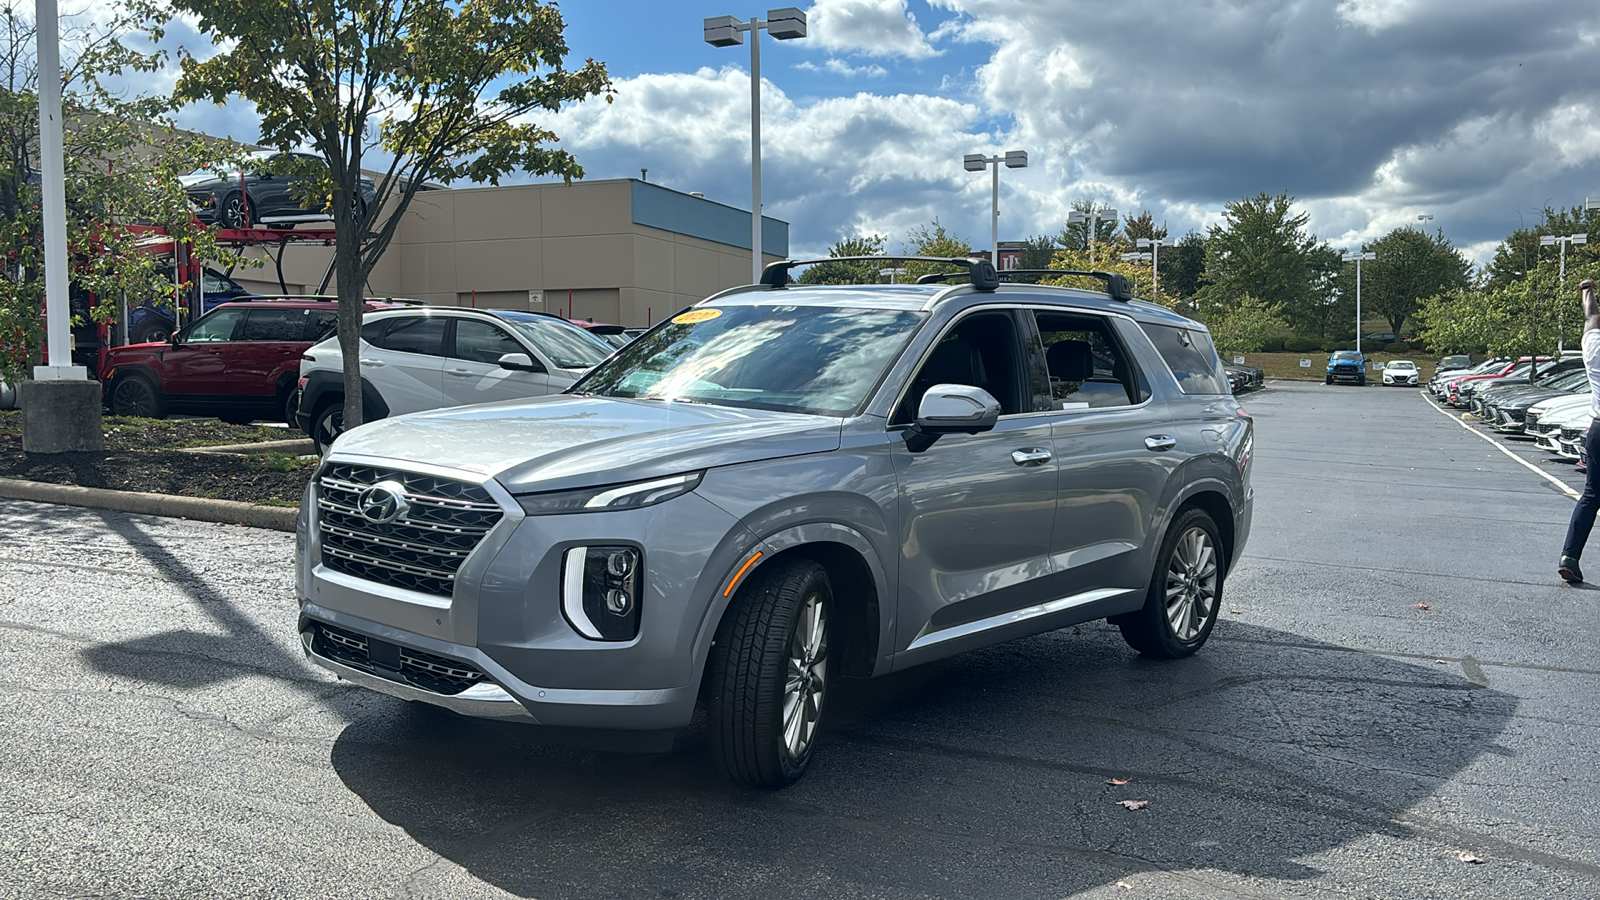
<point x="1401" y="701"/>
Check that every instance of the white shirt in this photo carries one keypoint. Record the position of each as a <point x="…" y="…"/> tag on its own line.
<point x="1591" y="361"/>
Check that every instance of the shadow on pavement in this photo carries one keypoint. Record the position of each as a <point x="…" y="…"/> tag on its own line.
<point x="984" y="776"/>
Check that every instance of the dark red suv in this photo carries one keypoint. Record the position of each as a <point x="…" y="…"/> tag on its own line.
<point x="238" y="362"/>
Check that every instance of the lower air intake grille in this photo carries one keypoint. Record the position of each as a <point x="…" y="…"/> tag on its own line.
<point x="436" y="674"/>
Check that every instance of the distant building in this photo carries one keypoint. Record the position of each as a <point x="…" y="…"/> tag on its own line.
<point x="617" y="250"/>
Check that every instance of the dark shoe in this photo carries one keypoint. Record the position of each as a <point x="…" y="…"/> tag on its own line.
<point x="1569" y="571"/>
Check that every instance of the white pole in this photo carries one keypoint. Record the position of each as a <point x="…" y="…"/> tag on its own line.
<point x="1358" y="304"/>
<point x="52" y="171"/>
<point x="1155" y="269"/>
<point x="994" y="223"/>
<point x="755" y="150"/>
<point x="1561" y="303"/>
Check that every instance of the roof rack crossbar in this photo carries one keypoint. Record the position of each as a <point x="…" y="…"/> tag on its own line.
<point x="981" y="272"/>
<point x="1116" y="282"/>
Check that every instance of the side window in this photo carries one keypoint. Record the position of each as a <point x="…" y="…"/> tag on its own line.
<point x="982" y="349"/>
<point x="1088" y="365"/>
<point x="373" y="332"/>
<point x="417" y="334"/>
<point x="482" y="342"/>
<point x="217" y="283"/>
<point x="323" y="323"/>
<point x="1192" y="358"/>
<point x="218" y="326"/>
<point x="274" y="325"/>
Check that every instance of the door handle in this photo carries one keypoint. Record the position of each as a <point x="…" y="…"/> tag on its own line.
<point x="459" y="372"/>
<point x="1160" y="442"/>
<point x="1033" y="456"/>
<point x="374" y="363"/>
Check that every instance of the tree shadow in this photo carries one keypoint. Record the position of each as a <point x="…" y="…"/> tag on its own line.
<point x="985" y="775"/>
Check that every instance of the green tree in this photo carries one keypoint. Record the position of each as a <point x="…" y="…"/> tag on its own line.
<point x="1182" y="266"/>
<point x="428" y="90"/>
<point x="848" y="272"/>
<point x="1262" y="249"/>
<point x="1246" y="326"/>
<point x="933" y="239"/>
<point x="1410" y="266"/>
<point x="1079" y="235"/>
<point x="122" y="162"/>
<point x="1144" y="226"/>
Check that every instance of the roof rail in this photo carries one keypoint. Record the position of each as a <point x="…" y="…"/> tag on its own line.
<point x="982" y="273"/>
<point x="1116" y="282"/>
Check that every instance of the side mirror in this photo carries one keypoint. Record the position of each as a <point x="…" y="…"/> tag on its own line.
<point x="951" y="409"/>
<point x="520" y="362"/>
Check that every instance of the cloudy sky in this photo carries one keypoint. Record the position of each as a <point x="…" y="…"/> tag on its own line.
<point x="1369" y="112"/>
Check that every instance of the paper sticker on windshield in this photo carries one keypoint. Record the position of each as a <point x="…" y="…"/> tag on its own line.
<point x="696" y="315"/>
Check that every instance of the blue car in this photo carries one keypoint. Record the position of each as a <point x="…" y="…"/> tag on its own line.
<point x="152" y="320"/>
<point x="1347" y="366"/>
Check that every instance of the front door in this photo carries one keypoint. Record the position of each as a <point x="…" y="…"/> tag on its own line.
<point x="975" y="511"/>
<point x="198" y="365"/>
<point x="473" y="374"/>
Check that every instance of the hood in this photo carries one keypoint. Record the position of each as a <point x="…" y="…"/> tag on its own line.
<point x="564" y="441"/>
<point x="1562" y="405"/>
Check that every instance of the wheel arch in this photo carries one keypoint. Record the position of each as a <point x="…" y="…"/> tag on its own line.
<point x="1211" y="500"/>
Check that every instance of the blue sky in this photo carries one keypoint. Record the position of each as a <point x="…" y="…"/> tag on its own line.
<point x="1369" y="112"/>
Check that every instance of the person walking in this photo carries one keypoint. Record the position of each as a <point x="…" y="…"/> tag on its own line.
<point x="1589" y="502"/>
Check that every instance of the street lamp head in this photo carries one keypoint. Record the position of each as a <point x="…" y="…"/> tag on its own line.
<point x="1142" y="242"/>
<point x="1548" y="240"/>
<point x="1077" y="218"/>
<point x="1425" y="217"/>
<point x="723" y="31"/>
<point x="1106" y="215"/>
<point x="1579" y="239"/>
<point x="1353" y="257"/>
<point x="973" y="162"/>
<point x="786" y="24"/>
<point x="1016" y="159"/>
<point x="1591" y="203"/>
<point x="1133" y="257"/>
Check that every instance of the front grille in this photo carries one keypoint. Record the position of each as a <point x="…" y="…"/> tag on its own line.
<point x="1570" y="432"/>
<point x="423" y="549"/>
<point x="1515" y="415"/>
<point x="436" y="674"/>
<point x="1532" y="421"/>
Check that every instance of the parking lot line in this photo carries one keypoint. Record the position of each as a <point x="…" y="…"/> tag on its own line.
<point x="1561" y="485"/>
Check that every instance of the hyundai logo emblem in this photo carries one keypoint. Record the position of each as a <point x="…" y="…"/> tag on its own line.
<point x="383" y="503"/>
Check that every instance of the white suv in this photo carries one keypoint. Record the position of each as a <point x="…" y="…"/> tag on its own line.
<point x="432" y="357"/>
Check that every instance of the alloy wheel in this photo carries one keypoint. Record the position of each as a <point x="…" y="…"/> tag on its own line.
<point x="1191" y="583"/>
<point x="134" y="397"/>
<point x="805" y="685"/>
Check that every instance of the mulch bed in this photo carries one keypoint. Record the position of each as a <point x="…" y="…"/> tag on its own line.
<point x="140" y="456"/>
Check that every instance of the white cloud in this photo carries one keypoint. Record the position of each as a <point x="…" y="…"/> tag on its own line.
<point x="842" y="68"/>
<point x="867" y="28"/>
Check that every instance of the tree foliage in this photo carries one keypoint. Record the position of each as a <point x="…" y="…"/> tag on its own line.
<point x="848" y="272"/>
<point x="122" y="161"/>
<point x="1410" y="266"/>
<point x="933" y="239"/>
<point x="1247" y="325"/>
<point x="1080" y="235"/>
<point x="1262" y="249"/>
<point x="423" y="90"/>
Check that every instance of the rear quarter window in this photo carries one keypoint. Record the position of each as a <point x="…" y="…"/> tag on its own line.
<point x="1191" y="357"/>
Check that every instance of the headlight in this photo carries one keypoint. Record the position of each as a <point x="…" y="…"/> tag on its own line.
<point x="609" y="497"/>
<point x="600" y="591"/>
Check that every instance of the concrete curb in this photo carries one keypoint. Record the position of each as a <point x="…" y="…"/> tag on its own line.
<point x="226" y="512"/>
<point x="299" y="447"/>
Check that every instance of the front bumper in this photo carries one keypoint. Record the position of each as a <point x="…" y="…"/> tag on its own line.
<point x="501" y="617"/>
<point x="1347" y="375"/>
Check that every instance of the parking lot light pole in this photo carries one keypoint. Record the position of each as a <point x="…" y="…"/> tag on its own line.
<point x="1561" y="295"/>
<point x="783" y="24"/>
<point x="1357" y="258"/>
<point x="1155" y="246"/>
<point x="976" y="162"/>
<point x="1093" y="222"/>
<point x="1137" y="257"/>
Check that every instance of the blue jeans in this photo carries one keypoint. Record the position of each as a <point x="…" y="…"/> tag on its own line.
<point x="1588" y="503"/>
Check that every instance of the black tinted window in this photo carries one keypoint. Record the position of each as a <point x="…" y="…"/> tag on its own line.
<point x="1087" y="363"/>
<point x="323" y="324"/>
<point x="1192" y="358"/>
<point x="481" y="342"/>
<point x="411" y="334"/>
<point x="275" y="325"/>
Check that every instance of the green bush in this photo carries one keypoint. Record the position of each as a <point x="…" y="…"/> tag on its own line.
<point x="1301" y="345"/>
<point x="1397" y="347"/>
<point x="1274" y="344"/>
<point x="1332" y="344"/>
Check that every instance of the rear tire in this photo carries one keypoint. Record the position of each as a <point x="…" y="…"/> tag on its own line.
<point x="769" y="675"/>
<point x="152" y="330"/>
<point x="138" y="396"/>
<point x="1185" y="591"/>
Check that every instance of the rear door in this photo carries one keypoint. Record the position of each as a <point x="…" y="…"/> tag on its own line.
<point x="472" y="373"/>
<point x="1115" y="450"/>
<point x="403" y="361"/>
<point x="268" y="346"/>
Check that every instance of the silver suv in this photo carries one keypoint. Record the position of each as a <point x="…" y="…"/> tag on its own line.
<point x="781" y="486"/>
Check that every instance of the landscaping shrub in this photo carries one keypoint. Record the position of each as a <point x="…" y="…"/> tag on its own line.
<point x="1302" y="345"/>
<point x="1397" y="347"/>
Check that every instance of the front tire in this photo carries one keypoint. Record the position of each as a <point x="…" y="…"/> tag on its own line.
<point x="235" y="213"/>
<point x="328" y="425"/>
<point x="1185" y="591"/>
<point x="769" y="675"/>
<point x="136" y="395"/>
<point x="152" y="330"/>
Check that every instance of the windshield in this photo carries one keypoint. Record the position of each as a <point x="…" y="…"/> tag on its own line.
<point x="1402" y="364"/>
<point x="821" y="360"/>
<point x="1346" y="355"/>
<point x="567" y="345"/>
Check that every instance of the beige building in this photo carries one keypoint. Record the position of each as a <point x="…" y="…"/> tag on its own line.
<point x="622" y="251"/>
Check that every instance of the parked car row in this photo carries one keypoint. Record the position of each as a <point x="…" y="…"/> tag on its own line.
<point x="1244" y="378"/>
<point x="254" y="359"/>
<point x="1543" y="398"/>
